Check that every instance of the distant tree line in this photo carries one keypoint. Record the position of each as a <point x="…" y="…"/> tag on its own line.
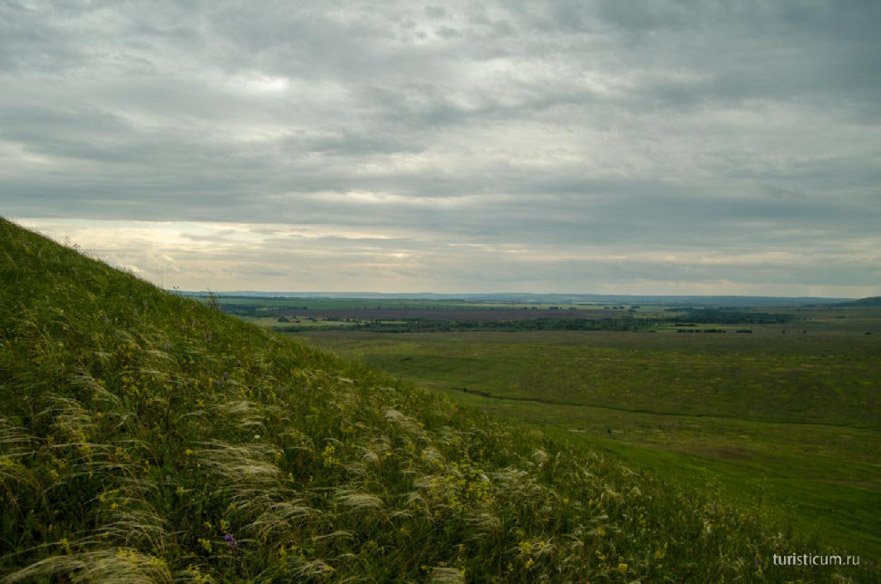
<point x="537" y="324"/>
<point x="725" y="316"/>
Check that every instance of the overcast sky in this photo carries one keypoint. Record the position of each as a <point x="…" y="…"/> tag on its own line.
<point x="610" y="146"/>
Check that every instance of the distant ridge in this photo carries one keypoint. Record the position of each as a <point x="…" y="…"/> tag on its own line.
<point x="870" y="301"/>
<point x="542" y="298"/>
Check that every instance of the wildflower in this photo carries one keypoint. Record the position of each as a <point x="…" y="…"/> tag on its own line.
<point x="230" y="540"/>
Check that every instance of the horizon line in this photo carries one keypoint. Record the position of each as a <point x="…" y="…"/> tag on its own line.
<point x="295" y="293"/>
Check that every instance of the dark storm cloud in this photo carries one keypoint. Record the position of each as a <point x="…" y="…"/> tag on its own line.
<point x="610" y="128"/>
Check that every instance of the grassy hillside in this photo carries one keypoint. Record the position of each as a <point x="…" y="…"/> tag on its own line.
<point x="147" y="438"/>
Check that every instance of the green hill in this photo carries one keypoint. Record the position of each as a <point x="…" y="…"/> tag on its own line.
<point x="147" y="438"/>
<point x="870" y="301"/>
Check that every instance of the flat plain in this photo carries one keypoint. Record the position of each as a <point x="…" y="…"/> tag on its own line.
<point x="783" y="420"/>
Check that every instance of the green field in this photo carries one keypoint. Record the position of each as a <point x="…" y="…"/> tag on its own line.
<point x="787" y="421"/>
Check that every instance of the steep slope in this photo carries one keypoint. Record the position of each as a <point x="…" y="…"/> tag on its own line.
<point x="147" y="438"/>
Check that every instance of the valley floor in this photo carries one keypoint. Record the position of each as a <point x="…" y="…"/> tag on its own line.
<point x="786" y="425"/>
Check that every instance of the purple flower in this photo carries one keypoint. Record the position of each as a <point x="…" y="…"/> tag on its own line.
<point x="230" y="540"/>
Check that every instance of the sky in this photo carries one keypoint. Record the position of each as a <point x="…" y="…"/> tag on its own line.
<point x="617" y="147"/>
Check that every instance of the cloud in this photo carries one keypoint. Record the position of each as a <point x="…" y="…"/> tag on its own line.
<point x="610" y="128"/>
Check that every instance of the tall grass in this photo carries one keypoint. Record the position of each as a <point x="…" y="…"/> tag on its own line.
<point x="147" y="438"/>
